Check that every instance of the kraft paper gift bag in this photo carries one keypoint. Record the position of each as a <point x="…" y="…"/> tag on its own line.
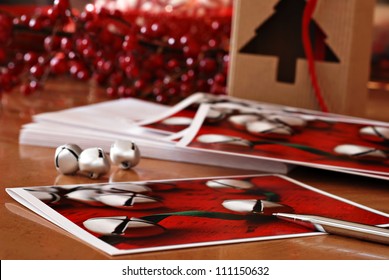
<point x="329" y="71"/>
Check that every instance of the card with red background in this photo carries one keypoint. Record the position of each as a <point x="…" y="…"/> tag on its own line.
<point x="162" y="215"/>
<point x="312" y="145"/>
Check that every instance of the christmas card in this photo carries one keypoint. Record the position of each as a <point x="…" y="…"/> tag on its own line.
<point x="135" y="217"/>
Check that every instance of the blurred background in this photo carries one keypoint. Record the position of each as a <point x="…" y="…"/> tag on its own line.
<point x="380" y="46"/>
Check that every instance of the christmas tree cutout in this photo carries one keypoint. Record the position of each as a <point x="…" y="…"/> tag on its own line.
<point x="281" y="35"/>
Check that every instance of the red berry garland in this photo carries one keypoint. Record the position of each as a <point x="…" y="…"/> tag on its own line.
<point x="136" y="53"/>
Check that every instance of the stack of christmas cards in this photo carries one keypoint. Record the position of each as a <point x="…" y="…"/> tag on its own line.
<point x="223" y="131"/>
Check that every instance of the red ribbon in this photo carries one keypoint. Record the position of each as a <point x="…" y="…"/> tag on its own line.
<point x="307" y="16"/>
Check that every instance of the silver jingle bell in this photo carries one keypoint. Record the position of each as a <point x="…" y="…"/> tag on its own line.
<point x="223" y="139"/>
<point x="130" y="201"/>
<point x="86" y="195"/>
<point x="230" y="185"/>
<point x="255" y="206"/>
<point x="240" y="121"/>
<point x="45" y="196"/>
<point x="269" y="129"/>
<point x="94" y="162"/>
<point x="375" y="133"/>
<point x="126" y="154"/>
<point x="123" y="226"/>
<point x="291" y="121"/>
<point x="125" y="187"/>
<point x="361" y="152"/>
<point x="66" y="158"/>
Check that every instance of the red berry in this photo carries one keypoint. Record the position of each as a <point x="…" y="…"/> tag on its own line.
<point x="140" y="84"/>
<point x="220" y="79"/>
<point x="30" y="58"/>
<point x="52" y="13"/>
<point x="82" y="75"/>
<point x="52" y="43"/>
<point x="66" y="45"/>
<point x="192" y="48"/>
<point x="111" y="91"/>
<point x="58" y="64"/>
<point x="35" y="24"/>
<point x="37" y="71"/>
<point x="62" y="5"/>
<point x="129" y="43"/>
<point x="172" y="64"/>
<point x="29" y="87"/>
<point x="104" y="66"/>
<point x="208" y="65"/>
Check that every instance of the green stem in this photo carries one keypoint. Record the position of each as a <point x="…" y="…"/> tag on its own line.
<point x="204" y="214"/>
<point x="296" y="146"/>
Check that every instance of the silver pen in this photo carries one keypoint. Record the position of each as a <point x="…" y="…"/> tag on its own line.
<point x="339" y="227"/>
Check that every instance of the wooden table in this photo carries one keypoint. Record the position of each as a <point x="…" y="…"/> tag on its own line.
<point x="25" y="235"/>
